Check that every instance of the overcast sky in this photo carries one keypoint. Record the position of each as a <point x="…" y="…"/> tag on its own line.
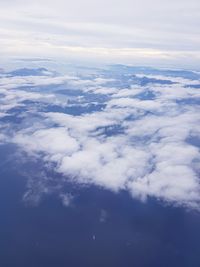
<point x="156" y="32"/>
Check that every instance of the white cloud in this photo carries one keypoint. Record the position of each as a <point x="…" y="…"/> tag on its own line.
<point x="54" y="141"/>
<point x="143" y="32"/>
<point x="149" y="156"/>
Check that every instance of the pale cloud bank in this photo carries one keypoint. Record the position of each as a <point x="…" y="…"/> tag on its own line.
<point x="132" y="31"/>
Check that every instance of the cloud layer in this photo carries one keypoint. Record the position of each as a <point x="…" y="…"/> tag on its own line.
<point x="110" y="130"/>
<point x="143" y="32"/>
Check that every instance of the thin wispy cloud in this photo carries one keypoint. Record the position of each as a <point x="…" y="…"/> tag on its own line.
<point x="106" y="31"/>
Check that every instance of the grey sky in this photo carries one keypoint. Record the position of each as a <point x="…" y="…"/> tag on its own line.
<point x="141" y="31"/>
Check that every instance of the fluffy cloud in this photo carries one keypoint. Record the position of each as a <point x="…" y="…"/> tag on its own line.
<point x="55" y="141"/>
<point x="132" y="144"/>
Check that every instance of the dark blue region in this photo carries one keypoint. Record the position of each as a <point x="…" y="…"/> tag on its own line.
<point x="110" y="130"/>
<point x="145" y="81"/>
<point x="86" y="96"/>
<point x="11" y="118"/>
<point x="147" y="95"/>
<point x="69" y="92"/>
<point x="15" y="114"/>
<point x="50" y="235"/>
<point x="148" y="71"/>
<point x="28" y="72"/>
<point x="75" y="110"/>
<point x="196" y="86"/>
<point x="194" y="140"/>
<point x="189" y="101"/>
<point x="126" y="80"/>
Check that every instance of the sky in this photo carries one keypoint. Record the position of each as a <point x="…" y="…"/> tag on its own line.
<point x="161" y="33"/>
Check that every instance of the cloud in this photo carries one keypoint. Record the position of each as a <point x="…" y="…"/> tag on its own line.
<point x="66" y="199"/>
<point x="131" y="144"/>
<point x="56" y="141"/>
<point x="103" y="216"/>
<point x="132" y="31"/>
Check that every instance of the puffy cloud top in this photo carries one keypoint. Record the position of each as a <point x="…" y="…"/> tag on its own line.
<point x="139" y="138"/>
